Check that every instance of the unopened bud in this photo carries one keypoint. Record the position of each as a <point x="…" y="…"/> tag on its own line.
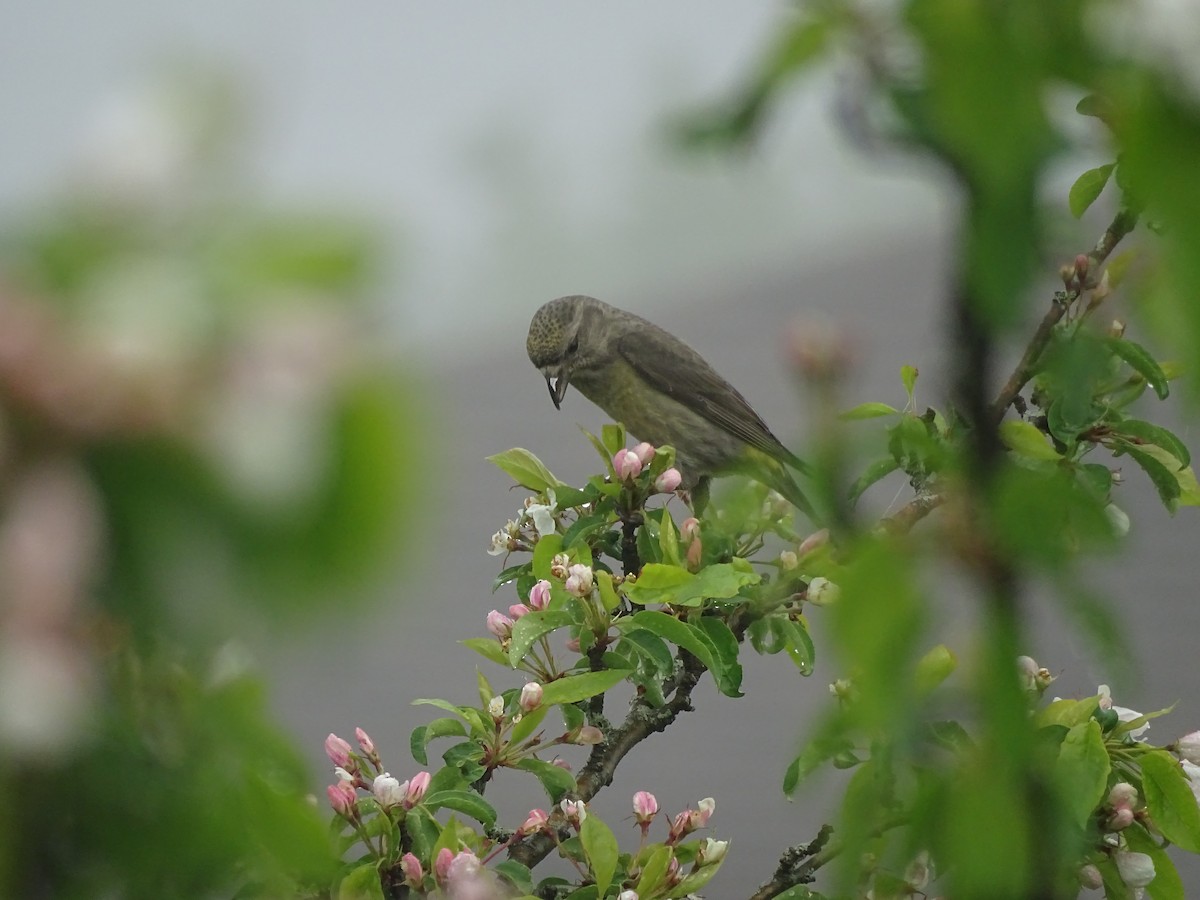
<point x="496" y="707"/>
<point x="364" y="741"/>
<point x="411" y="867"/>
<point x="534" y="822"/>
<point x="1188" y="748"/>
<point x="441" y="865"/>
<point x="1081" y="267"/>
<point x="689" y="529"/>
<point x="1120" y="819"/>
<point x="517" y="610"/>
<point x="626" y="465"/>
<point x="587" y="734"/>
<point x="417" y="786"/>
<point x="1116" y="329"/>
<point x="1135" y="869"/>
<point x="499" y="624"/>
<point x="1123" y="794"/>
<point x="812" y="542"/>
<point x="788" y="560"/>
<point x="1090" y="878"/>
<point x="580" y="580"/>
<point x="539" y="595"/>
<point x="645" y="807"/>
<point x="668" y="481"/>
<point x="342" y="797"/>
<point x="644" y="453"/>
<point x="822" y="592"/>
<point x="531" y="696"/>
<point x="559" y="564"/>
<point x="338" y="750"/>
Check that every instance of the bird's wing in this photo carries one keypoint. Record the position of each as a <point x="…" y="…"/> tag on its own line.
<point x="672" y="367"/>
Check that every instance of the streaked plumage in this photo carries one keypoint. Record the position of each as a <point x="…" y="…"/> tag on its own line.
<point x="661" y="389"/>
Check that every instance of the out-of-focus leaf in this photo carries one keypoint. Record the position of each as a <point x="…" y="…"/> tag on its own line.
<point x="874" y="472"/>
<point x="1081" y="773"/>
<point x="1147" y="432"/>
<point x="870" y="410"/>
<point x="361" y="884"/>
<point x="1143" y="363"/>
<point x="1025" y="439"/>
<point x="1087" y="188"/>
<point x="1165" y="482"/>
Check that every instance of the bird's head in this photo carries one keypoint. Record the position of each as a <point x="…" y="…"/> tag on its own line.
<point x="565" y="336"/>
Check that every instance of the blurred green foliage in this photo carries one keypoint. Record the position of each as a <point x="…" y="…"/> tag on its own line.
<point x="194" y="437"/>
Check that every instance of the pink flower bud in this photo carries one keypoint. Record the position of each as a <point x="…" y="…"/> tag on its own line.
<point x="531" y="697"/>
<point x="1188" y="747"/>
<point x="413" y="873"/>
<point x="668" y="481"/>
<point x="681" y="827"/>
<point x="1121" y="819"/>
<point x="561" y="763"/>
<point x="517" y="610"/>
<point x="588" y="734"/>
<point x="674" y="872"/>
<point x="499" y="624"/>
<point x="342" y="798"/>
<point x="626" y="465"/>
<point x="417" y="786"/>
<point x="690" y="529"/>
<point x="463" y="870"/>
<point x="534" y="822"/>
<point x="645" y="807"/>
<point x="338" y="752"/>
<point x="579" y="581"/>
<point x="388" y="791"/>
<point x="1090" y="878"/>
<point x="441" y="865"/>
<point x="1122" y="795"/>
<point x="572" y="644"/>
<point x="539" y="595"/>
<point x="364" y="741"/>
<point x="695" y="555"/>
<point x="645" y="453"/>
<point x="812" y="542"/>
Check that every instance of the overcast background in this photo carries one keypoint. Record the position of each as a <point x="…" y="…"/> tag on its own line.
<point x="515" y="152"/>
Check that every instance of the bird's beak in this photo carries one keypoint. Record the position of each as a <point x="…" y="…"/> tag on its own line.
<point x="556" y="382"/>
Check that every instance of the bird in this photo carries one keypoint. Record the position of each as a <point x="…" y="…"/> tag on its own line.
<point x="662" y="391"/>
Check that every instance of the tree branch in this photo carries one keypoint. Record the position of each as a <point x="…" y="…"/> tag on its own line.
<point x="1121" y="225"/>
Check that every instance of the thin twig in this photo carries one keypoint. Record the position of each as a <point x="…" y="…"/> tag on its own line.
<point x="1122" y="224"/>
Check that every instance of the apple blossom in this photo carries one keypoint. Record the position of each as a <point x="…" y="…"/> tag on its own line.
<point x="411" y="866"/>
<point x="645" y="453"/>
<point x="626" y="465"/>
<point x="1192" y="771"/>
<point x="579" y="580"/>
<point x="342" y="798"/>
<point x="668" y="481"/>
<point x="628" y="895"/>
<point x="534" y="822"/>
<point x="338" y="751"/>
<point x="495" y="707"/>
<point x="822" y="592"/>
<point x="645" y="807"/>
<point x="388" y="791"/>
<point x="417" y="786"/>
<point x="342" y="774"/>
<point x="542" y="516"/>
<point x="499" y="624"/>
<point x="531" y="696"/>
<point x="1135" y="869"/>
<point x="711" y="851"/>
<point x="558" y="565"/>
<point x="574" y="810"/>
<point x="1123" y="714"/>
<point x="788" y="560"/>
<point x="1188" y="747"/>
<point x="539" y="595"/>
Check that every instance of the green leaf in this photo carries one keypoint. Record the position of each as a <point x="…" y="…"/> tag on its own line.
<point x="574" y="688"/>
<point x="418" y="742"/>
<point x="509" y="574"/>
<point x="613" y="438"/>
<point x="727" y="669"/>
<point x="1164" y="480"/>
<point x="933" y="668"/>
<point x="654" y="870"/>
<point x="875" y="471"/>
<point x="1087" y="188"/>
<point x="1025" y="439"/>
<point x="488" y="648"/>
<point x="908" y="377"/>
<point x="1067" y="713"/>
<point x="517" y="875"/>
<point x="668" y="539"/>
<point x="608" y="595"/>
<point x="525" y="469"/>
<point x="799" y="644"/>
<point x="869" y="410"/>
<point x="652" y="647"/>
<point x="663" y="583"/>
<point x="1143" y="363"/>
<point x="1169" y="798"/>
<point x="529" y="723"/>
<point x="584" y="527"/>
<point x="676" y="632"/>
<point x="467" y="802"/>
<point x="361" y="884"/>
<point x="600" y="845"/>
<point x="531" y="626"/>
<point x="1081" y="771"/>
<point x="1149" y="433"/>
<point x="556" y="782"/>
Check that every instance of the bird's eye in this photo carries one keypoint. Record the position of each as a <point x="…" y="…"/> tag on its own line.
<point x="574" y="345"/>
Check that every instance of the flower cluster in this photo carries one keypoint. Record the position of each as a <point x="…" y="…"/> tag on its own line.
<point x="363" y="769"/>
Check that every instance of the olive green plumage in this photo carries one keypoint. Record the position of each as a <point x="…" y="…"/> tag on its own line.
<point x="661" y="390"/>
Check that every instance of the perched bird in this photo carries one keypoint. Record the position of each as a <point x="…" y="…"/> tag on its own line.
<point x="662" y="391"/>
